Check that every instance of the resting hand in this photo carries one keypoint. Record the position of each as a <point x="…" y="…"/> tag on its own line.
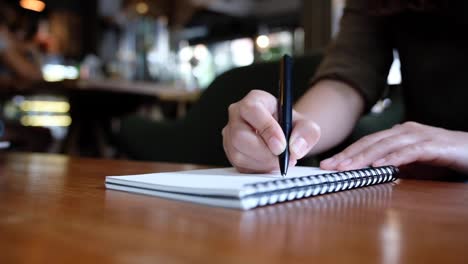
<point x="404" y="144"/>
<point x="253" y="139"/>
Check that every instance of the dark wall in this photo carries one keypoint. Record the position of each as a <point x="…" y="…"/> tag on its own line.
<point x="87" y="11"/>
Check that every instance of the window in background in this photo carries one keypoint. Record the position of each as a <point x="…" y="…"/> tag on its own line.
<point x="161" y="59"/>
<point x="203" y="70"/>
<point x="272" y="46"/>
<point x="200" y="64"/>
<point x="222" y="58"/>
<point x="242" y="52"/>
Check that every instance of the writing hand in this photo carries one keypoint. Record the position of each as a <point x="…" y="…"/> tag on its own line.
<point x="253" y="139"/>
<point x="404" y="144"/>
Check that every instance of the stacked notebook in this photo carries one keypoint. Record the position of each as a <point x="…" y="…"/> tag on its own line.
<point x="228" y="188"/>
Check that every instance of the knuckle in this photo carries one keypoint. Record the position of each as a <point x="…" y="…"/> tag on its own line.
<point x="385" y="141"/>
<point x="340" y="156"/>
<point x="223" y="131"/>
<point x="256" y="93"/>
<point x="344" y="153"/>
<point x="250" y="106"/>
<point x="366" y="139"/>
<point x="423" y="147"/>
<point x="232" y="109"/>
<point x="360" y="158"/>
<point x="392" y="156"/>
<point x="415" y="149"/>
<point x="411" y="125"/>
<point x="267" y="130"/>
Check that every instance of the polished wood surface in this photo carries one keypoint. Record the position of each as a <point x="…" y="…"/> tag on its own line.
<point x="55" y="209"/>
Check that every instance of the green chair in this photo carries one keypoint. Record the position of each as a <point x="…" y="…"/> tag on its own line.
<point x="196" y="138"/>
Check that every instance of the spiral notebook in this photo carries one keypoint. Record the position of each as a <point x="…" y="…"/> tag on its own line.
<point x="226" y="187"/>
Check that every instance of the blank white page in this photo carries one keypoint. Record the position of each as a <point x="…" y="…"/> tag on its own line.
<point x="219" y="181"/>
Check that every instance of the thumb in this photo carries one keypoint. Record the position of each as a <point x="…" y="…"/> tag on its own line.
<point x="304" y="136"/>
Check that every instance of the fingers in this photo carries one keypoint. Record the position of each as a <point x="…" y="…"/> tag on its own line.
<point x="405" y="144"/>
<point x="344" y="158"/>
<point x="253" y="139"/>
<point x="242" y="162"/>
<point x="379" y="150"/>
<point x="426" y="152"/>
<point x="258" y="109"/>
<point x="304" y="136"/>
<point x="399" y="145"/>
<point x="406" y="155"/>
<point x="250" y="127"/>
<point x="244" y="140"/>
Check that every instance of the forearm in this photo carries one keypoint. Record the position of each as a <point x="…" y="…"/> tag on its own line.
<point x="335" y="107"/>
<point x="361" y="54"/>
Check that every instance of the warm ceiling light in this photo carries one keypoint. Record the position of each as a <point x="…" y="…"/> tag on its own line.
<point x="263" y="41"/>
<point x="34" y="5"/>
<point x="142" y="8"/>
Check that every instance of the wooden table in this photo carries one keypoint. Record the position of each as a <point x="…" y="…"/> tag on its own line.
<point x="54" y="209"/>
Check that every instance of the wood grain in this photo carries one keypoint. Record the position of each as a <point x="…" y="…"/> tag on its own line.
<point x="55" y="209"/>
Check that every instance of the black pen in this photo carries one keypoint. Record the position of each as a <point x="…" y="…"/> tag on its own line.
<point x="285" y="109"/>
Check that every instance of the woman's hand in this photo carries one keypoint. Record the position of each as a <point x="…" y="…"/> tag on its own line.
<point x="404" y="144"/>
<point x="253" y="139"/>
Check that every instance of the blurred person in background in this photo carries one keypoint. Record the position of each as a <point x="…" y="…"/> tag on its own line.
<point x="430" y="37"/>
<point x="19" y="56"/>
<point x="20" y="62"/>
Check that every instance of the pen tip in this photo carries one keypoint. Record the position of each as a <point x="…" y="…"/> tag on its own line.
<point x="283" y="174"/>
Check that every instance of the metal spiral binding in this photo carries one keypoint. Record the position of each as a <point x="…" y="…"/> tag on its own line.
<point x="302" y="187"/>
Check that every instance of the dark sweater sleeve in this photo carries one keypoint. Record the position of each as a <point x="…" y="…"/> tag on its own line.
<point x="360" y="55"/>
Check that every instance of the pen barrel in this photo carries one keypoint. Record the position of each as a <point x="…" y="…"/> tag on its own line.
<point x="285" y="96"/>
<point x="284" y="156"/>
<point x="285" y="108"/>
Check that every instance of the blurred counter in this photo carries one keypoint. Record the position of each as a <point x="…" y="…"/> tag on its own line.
<point x="95" y="104"/>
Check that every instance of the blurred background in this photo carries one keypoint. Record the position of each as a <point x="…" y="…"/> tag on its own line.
<point x="69" y="69"/>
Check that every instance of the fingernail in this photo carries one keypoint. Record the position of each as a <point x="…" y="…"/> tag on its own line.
<point x="276" y="146"/>
<point x="299" y="146"/>
<point x="345" y="162"/>
<point x="380" y="162"/>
